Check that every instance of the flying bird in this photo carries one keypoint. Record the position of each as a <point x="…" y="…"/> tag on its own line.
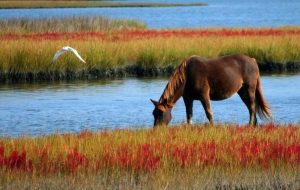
<point x="64" y="50"/>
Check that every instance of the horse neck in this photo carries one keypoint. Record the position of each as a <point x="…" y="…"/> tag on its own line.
<point x="174" y="89"/>
<point x="172" y="99"/>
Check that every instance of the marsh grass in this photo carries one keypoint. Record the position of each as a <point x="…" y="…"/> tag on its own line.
<point x="184" y="179"/>
<point x="29" y="59"/>
<point x="68" y="24"/>
<point x="50" y="158"/>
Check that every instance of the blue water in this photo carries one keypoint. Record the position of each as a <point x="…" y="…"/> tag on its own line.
<point x="218" y="13"/>
<point x="34" y="109"/>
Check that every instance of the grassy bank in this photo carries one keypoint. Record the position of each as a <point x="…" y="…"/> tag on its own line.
<point x="27" y="56"/>
<point x="68" y="24"/>
<point x="198" y="157"/>
<point x="13" y="4"/>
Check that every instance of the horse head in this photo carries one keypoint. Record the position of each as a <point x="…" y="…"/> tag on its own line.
<point x="161" y="113"/>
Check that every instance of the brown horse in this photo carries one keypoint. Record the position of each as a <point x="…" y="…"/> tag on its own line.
<point x="202" y="79"/>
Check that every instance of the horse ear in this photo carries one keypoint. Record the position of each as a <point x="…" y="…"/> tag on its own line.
<point x="155" y="103"/>
<point x="162" y="107"/>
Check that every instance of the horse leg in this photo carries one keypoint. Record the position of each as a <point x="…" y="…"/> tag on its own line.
<point x="189" y="109"/>
<point x="247" y="95"/>
<point x="206" y="105"/>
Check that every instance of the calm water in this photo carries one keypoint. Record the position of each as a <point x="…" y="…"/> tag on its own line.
<point x="34" y="109"/>
<point x="218" y="13"/>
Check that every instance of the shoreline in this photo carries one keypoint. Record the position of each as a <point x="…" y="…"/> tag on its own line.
<point x="128" y="71"/>
<point x="86" y="4"/>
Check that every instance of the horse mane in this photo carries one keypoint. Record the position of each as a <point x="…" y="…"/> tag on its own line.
<point x="175" y="82"/>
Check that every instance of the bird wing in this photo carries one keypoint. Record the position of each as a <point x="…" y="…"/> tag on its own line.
<point x="64" y="50"/>
<point x="57" y="54"/>
<point x="77" y="54"/>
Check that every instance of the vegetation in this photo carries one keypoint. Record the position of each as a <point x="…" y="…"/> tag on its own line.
<point x="181" y="156"/>
<point x="68" y="24"/>
<point x="83" y="3"/>
<point x="116" y="48"/>
<point x="137" y="52"/>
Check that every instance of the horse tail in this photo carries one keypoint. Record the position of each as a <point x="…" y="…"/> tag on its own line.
<point x="262" y="106"/>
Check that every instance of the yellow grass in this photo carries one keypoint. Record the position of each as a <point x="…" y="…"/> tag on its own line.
<point x="169" y="174"/>
<point x="34" y="55"/>
<point x="27" y="56"/>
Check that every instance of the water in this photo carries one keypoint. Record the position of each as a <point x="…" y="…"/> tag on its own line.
<point x="34" y="109"/>
<point x="218" y="13"/>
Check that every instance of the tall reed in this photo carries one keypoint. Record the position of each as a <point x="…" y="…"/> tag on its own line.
<point x="68" y="24"/>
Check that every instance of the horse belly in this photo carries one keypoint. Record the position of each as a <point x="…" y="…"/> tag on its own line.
<point x="221" y="96"/>
<point x="225" y="89"/>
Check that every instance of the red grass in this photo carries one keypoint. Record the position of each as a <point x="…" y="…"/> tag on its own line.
<point x="239" y="150"/>
<point x="75" y="159"/>
<point x="141" y="34"/>
<point x="15" y="161"/>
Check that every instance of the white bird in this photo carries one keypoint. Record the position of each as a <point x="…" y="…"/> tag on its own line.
<point x="64" y="50"/>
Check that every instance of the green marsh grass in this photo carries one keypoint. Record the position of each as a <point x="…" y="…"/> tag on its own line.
<point x="27" y="58"/>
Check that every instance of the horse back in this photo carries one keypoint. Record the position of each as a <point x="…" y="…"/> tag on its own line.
<point x="220" y="77"/>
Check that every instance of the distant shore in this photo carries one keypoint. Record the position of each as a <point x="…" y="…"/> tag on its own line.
<point x="84" y="4"/>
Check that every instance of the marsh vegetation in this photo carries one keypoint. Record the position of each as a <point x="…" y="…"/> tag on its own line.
<point x="223" y="156"/>
<point x="118" y="48"/>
